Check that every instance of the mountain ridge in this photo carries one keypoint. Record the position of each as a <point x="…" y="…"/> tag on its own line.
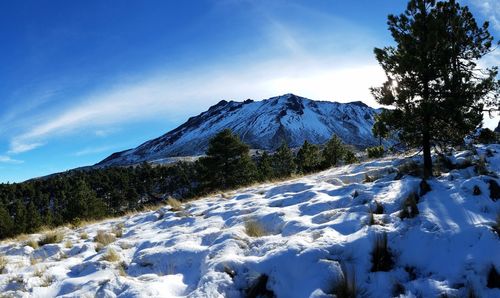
<point x="263" y="124"/>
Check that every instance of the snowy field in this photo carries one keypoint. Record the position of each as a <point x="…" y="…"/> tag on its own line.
<point x="305" y="234"/>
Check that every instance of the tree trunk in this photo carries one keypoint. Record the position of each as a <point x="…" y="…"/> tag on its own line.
<point x="426" y="144"/>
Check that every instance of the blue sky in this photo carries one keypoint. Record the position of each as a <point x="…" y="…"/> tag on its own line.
<point x="80" y="80"/>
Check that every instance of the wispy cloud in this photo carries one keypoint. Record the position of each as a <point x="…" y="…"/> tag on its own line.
<point x="94" y="150"/>
<point x="490" y="9"/>
<point x="9" y="160"/>
<point x="311" y="72"/>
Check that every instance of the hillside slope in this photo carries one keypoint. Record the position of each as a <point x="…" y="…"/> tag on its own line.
<point x="262" y="125"/>
<point x="312" y="226"/>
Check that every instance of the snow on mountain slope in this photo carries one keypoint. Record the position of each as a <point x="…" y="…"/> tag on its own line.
<point x="261" y="124"/>
<point x="313" y="225"/>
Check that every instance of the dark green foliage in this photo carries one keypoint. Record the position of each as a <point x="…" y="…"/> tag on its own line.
<point x="33" y="218"/>
<point x="308" y="158"/>
<point x="375" y="152"/>
<point x="380" y="128"/>
<point x="6" y="224"/>
<point x="334" y="152"/>
<point x="259" y="288"/>
<point x="382" y="259"/>
<point x="227" y="164"/>
<point x="265" y="167"/>
<point x="487" y="136"/>
<point x="432" y="79"/>
<point x="283" y="162"/>
<point x="494" y="190"/>
<point x="350" y="157"/>
<point x="493" y="278"/>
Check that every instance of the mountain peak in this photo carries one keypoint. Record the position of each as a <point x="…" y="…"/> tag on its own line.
<point x="262" y="125"/>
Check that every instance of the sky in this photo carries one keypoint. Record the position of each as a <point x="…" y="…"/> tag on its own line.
<point x="80" y="80"/>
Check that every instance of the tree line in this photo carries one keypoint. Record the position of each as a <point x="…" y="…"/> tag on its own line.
<point x="91" y="194"/>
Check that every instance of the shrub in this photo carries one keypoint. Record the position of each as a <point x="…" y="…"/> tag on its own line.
<point x="350" y="157"/>
<point x="104" y="238"/>
<point x="493" y="278"/>
<point x="381" y="255"/>
<point x="111" y="256"/>
<point x="51" y="237"/>
<point x="371" y="219"/>
<point x="345" y="287"/>
<point x="476" y="190"/>
<point x="375" y="152"/>
<point x="259" y="288"/>
<point x="409" y="208"/>
<point x="174" y="204"/>
<point x="68" y="244"/>
<point x="254" y="228"/>
<point x="480" y="168"/>
<point x="84" y="236"/>
<point x="122" y="269"/>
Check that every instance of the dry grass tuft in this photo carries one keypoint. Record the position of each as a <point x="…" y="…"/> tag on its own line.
<point x="33" y="243"/>
<point x="68" y="244"/>
<point x="47" y="280"/>
<point x="51" y="237"/>
<point x="84" y="235"/>
<point x="3" y="263"/>
<point x="122" y="269"/>
<point x="104" y="238"/>
<point x="39" y="272"/>
<point x="174" y="204"/>
<point x="382" y="259"/>
<point x="254" y="229"/>
<point x="409" y="208"/>
<point x="111" y="256"/>
<point x="345" y="287"/>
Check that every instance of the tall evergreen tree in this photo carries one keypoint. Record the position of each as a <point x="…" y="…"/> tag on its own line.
<point x="228" y="163"/>
<point x="333" y="152"/>
<point x="6" y="224"/>
<point x="308" y="158"/>
<point x="265" y="167"/>
<point x="33" y="218"/>
<point x="283" y="161"/>
<point x="432" y="76"/>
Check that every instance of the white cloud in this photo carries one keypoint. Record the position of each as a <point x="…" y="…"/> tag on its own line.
<point x="8" y="159"/>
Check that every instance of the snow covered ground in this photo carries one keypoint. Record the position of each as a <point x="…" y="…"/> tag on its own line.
<point x="309" y="229"/>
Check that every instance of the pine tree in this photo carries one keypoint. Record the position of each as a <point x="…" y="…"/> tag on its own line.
<point x="433" y="81"/>
<point x="380" y="129"/>
<point x="6" y="224"/>
<point x="228" y="163"/>
<point x="283" y="161"/>
<point x="308" y="158"/>
<point x="265" y="167"/>
<point x="20" y="218"/>
<point x="333" y="152"/>
<point x="34" y="220"/>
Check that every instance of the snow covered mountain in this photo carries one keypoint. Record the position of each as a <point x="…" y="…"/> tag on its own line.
<point x="294" y="239"/>
<point x="261" y="124"/>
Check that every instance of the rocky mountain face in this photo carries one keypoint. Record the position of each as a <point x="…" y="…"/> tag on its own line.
<point x="262" y="125"/>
